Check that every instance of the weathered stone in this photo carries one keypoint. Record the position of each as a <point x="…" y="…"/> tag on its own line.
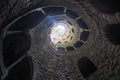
<point x="86" y="66"/>
<point x="22" y="71"/>
<point x="27" y="22"/>
<point x="69" y="48"/>
<point x="71" y="14"/>
<point x="78" y="44"/>
<point x="14" y="46"/>
<point x="106" y="6"/>
<point x="84" y="35"/>
<point x="54" y="10"/>
<point x="112" y="32"/>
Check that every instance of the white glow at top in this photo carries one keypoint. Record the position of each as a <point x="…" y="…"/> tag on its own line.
<point x="57" y="33"/>
<point x="59" y="30"/>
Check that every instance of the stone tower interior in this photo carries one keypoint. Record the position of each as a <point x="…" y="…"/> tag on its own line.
<point x="59" y="40"/>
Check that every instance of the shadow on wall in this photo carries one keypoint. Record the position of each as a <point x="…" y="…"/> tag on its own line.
<point x="106" y="6"/>
<point x="112" y="32"/>
<point x="21" y="71"/>
<point x="86" y="67"/>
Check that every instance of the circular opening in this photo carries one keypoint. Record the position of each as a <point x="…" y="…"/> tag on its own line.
<point x="59" y="31"/>
<point x="65" y="30"/>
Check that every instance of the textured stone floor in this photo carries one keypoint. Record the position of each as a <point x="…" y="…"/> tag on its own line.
<point x="49" y="65"/>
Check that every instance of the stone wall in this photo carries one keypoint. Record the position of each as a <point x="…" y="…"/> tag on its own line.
<point x="49" y="65"/>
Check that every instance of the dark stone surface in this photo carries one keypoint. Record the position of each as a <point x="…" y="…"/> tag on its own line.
<point x="72" y="30"/>
<point x="70" y="23"/>
<point x="71" y="37"/>
<point x="84" y="35"/>
<point x="86" y="66"/>
<point x="60" y="49"/>
<point x="71" y="14"/>
<point x="54" y="10"/>
<point x="82" y="24"/>
<point x="106" y="6"/>
<point x="69" y="48"/>
<point x="112" y="32"/>
<point x="1" y="73"/>
<point x="48" y="65"/>
<point x="28" y="22"/>
<point x="14" y="46"/>
<point x="78" y="44"/>
<point x="22" y="71"/>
